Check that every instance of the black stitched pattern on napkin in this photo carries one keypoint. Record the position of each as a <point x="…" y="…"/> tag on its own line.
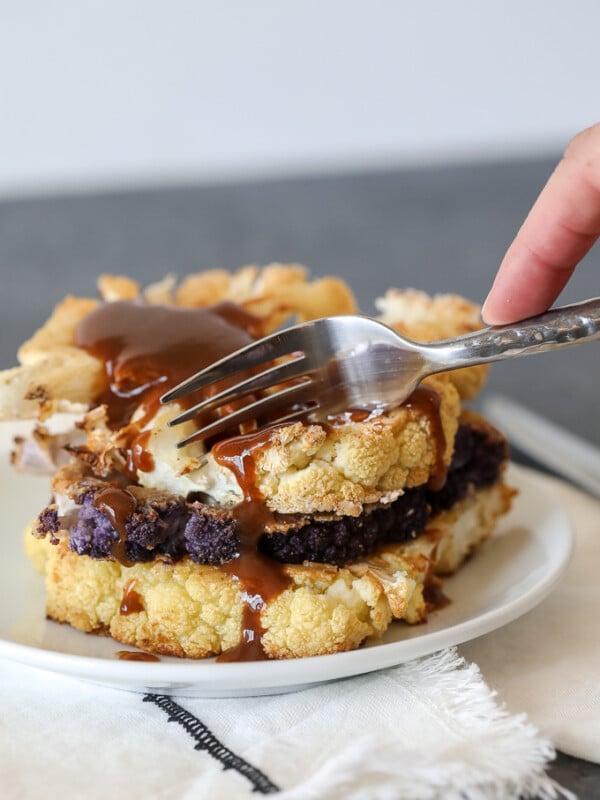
<point x="206" y="740"/>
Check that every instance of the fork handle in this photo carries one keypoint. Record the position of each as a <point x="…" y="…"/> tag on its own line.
<point x="561" y="327"/>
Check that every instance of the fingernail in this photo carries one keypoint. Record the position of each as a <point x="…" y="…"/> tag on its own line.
<point x="483" y="309"/>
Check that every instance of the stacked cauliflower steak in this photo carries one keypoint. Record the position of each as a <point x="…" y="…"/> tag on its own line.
<point x="359" y="517"/>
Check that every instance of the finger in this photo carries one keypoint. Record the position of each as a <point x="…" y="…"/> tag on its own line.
<point x="559" y="230"/>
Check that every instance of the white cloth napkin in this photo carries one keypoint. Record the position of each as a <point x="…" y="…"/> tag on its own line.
<point x="547" y="663"/>
<point x="428" y="729"/>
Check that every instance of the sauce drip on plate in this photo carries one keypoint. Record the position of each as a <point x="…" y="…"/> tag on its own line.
<point x="132" y="655"/>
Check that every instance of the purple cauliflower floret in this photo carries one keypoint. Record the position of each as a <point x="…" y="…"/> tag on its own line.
<point x="211" y="538"/>
<point x="92" y="535"/>
<point x="350" y="538"/>
<point x="48" y="521"/>
<point x="476" y="461"/>
<point x="405" y="518"/>
<point x="157" y="528"/>
<point x="154" y="528"/>
<point x="334" y="542"/>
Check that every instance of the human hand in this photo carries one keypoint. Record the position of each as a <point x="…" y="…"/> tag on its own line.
<point x="559" y="230"/>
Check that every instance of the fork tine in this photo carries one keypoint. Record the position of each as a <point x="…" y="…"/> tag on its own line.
<point x="266" y="405"/>
<point x="270" y="377"/>
<point x="267" y="349"/>
<point x="293" y="415"/>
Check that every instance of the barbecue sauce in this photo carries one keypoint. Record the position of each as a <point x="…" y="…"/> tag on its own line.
<point x="139" y="458"/>
<point x="131" y="602"/>
<point x="426" y="401"/>
<point x="132" y="655"/>
<point x="117" y="504"/>
<point x="434" y="595"/>
<point x="262" y="577"/>
<point x="147" y="349"/>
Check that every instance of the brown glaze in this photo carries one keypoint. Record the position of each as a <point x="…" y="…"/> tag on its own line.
<point x="132" y="655"/>
<point x="434" y="595"/>
<point x="238" y="454"/>
<point x="131" y="602"/>
<point x="148" y="349"/>
<point x="138" y="456"/>
<point x="117" y="504"/>
<point x="250" y="646"/>
<point x="427" y="402"/>
<point x="261" y="577"/>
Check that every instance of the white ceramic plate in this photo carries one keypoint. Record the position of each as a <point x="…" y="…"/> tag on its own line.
<point x="509" y="575"/>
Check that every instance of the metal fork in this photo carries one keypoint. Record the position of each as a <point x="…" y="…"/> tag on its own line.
<point x="351" y="362"/>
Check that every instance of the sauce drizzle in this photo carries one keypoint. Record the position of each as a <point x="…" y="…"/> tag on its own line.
<point x="148" y="348"/>
<point x="138" y="457"/>
<point x="132" y="602"/>
<point x="262" y="578"/>
<point x="117" y="504"/>
<point x="434" y="595"/>
<point x="426" y="401"/>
